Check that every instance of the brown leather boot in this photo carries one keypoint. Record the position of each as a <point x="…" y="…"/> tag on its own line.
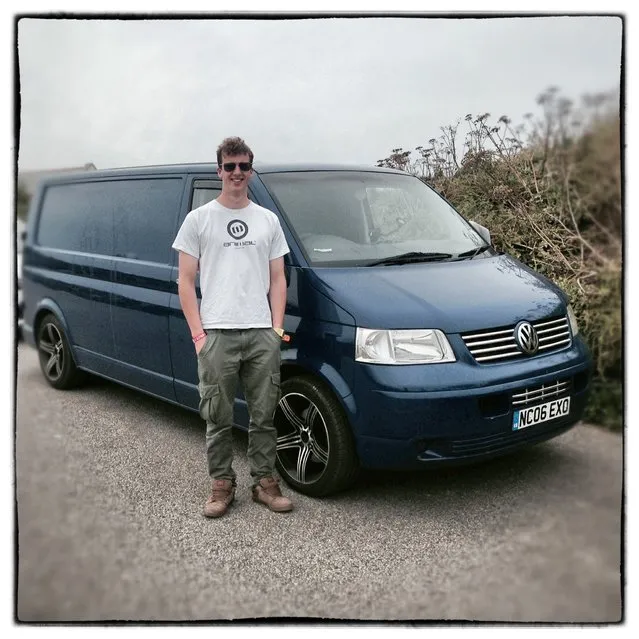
<point x="268" y="492"/>
<point x="222" y="494"/>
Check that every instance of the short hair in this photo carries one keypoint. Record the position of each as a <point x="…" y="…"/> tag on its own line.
<point x="233" y="146"/>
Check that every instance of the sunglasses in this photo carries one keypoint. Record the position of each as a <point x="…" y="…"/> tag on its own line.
<point x="229" y="167"/>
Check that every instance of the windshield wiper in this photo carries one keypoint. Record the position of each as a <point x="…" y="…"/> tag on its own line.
<point x="473" y="252"/>
<point x="413" y="256"/>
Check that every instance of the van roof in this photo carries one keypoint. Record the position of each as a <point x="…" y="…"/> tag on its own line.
<point x="201" y="167"/>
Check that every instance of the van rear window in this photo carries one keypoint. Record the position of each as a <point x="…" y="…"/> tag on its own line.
<point x="133" y="218"/>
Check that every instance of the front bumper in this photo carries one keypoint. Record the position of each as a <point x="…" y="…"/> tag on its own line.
<point x="467" y="412"/>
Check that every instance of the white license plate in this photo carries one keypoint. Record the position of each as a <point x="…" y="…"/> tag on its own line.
<point x="542" y="413"/>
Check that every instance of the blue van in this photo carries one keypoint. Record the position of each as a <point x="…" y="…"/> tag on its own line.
<point x="413" y="341"/>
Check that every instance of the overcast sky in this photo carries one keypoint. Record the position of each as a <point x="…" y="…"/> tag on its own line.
<point x="134" y="92"/>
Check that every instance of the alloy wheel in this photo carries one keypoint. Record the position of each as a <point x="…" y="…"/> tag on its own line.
<point x="51" y="351"/>
<point x="303" y="444"/>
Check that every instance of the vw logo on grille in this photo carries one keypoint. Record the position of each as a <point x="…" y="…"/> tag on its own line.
<point x="237" y="229"/>
<point x="527" y="338"/>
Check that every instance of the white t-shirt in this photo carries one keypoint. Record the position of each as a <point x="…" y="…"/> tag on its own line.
<point x="234" y="247"/>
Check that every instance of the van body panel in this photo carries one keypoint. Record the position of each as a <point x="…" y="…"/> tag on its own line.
<point x="80" y="285"/>
<point x="450" y="296"/>
<point x="317" y="299"/>
<point x="322" y="334"/>
<point x="183" y="360"/>
<point x="44" y="306"/>
<point x="320" y="349"/>
<point x="140" y="317"/>
<point x="143" y="229"/>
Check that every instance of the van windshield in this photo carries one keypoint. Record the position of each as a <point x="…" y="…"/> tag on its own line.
<point x="353" y="218"/>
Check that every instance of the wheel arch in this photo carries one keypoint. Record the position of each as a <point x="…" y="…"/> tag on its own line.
<point x="48" y="307"/>
<point x="329" y="376"/>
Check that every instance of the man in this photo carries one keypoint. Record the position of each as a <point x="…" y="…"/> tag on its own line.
<point x="239" y="248"/>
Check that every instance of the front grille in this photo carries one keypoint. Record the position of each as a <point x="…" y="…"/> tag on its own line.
<point x="499" y="345"/>
<point x="542" y="393"/>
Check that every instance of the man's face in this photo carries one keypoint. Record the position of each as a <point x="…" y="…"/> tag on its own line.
<point x="235" y="180"/>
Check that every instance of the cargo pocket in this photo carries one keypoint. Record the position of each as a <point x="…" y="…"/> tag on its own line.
<point x="209" y="397"/>
<point x="275" y="389"/>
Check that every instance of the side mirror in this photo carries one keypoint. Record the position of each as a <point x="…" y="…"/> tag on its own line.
<point x="482" y="230"/>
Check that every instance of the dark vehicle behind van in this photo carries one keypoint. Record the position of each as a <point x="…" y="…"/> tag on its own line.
<point x="413" y="341"/>
<point x="21" y="232"/>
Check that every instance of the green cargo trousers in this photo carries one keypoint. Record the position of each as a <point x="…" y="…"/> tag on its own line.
<point x="251" y="355"/>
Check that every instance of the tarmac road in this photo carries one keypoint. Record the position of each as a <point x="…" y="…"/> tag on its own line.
<point x="110" y="489"/>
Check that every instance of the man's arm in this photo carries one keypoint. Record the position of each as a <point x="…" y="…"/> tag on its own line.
<point x="277" y="291"/>
<point x="187" y="272"/>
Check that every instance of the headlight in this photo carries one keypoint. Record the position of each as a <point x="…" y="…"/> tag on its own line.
<point x="573" y="321"/>
<point x="419" y="346"/>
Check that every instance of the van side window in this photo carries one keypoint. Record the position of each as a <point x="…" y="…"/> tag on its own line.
<point x="205" y="191"/>
<point x="132" y="218"/>
<point x="145" y="215"/>
<point x="77" y="217"/>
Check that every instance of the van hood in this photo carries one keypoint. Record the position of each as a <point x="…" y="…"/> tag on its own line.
<point x="455" y="297"/>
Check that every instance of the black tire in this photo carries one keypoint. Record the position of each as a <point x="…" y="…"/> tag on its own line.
<point x="54" y="353"/>
<point x="315" y="448"/>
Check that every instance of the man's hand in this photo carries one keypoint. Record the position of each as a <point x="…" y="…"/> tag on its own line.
<point x="199" y="345"/>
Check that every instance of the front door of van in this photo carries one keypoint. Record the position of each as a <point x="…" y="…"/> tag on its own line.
<point x="144" y="229"/>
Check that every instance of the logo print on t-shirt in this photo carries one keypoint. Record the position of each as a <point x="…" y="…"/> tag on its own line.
<point x="237" y="229"/>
